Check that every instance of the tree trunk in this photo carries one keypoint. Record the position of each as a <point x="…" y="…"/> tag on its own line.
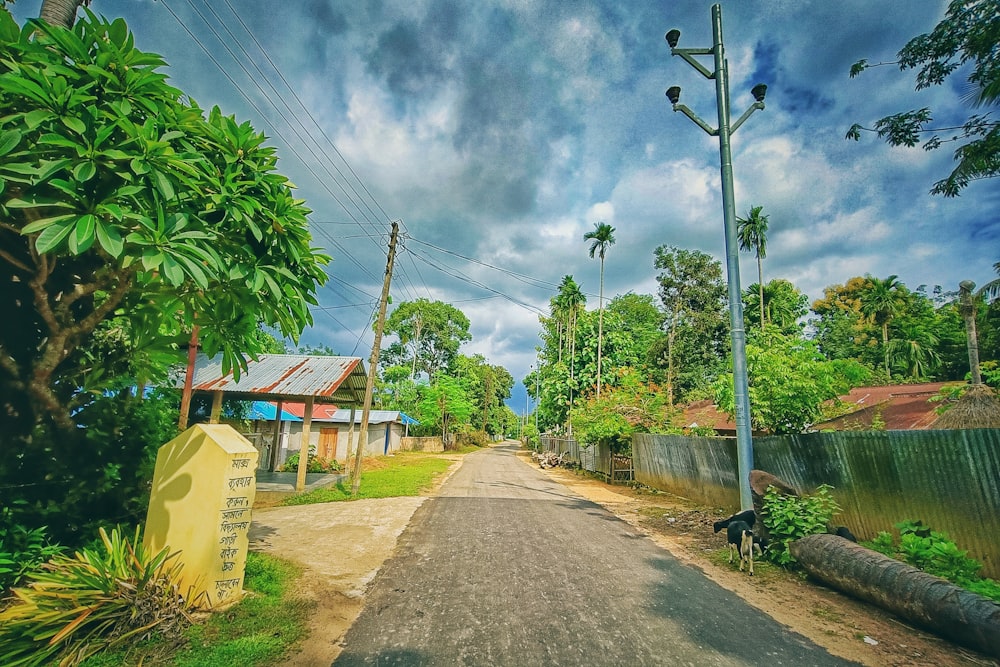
<point x="760" y="288"/>
<point x="968" y="310"/>
<point x="59" y="12"/>
<point x="600" y="328"/>
<point x="885" y="348"/>
<point x="928" y="601"/>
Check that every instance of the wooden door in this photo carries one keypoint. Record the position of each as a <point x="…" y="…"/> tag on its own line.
<point x="327" y="448"/>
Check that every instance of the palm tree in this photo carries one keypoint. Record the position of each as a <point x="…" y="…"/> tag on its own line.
<point x="60" y="12"/>
<point x="880" y="302"/>
<point x="751" y="232"/>
<point x="914" y="350"/>
<point x="602" y="238"/>
<point x="991" y="290"/>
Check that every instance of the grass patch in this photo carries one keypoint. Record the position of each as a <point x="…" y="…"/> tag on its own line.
<point x="253" y="633"/>
<point x="405" y="474"/>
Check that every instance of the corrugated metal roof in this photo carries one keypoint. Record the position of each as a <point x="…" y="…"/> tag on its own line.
<point x="331" y="413"/>
<point x="282" y="376"/>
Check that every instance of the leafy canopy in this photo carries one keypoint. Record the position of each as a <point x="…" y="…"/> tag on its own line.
<point x="965" y="40"/>
<point x="120" y="197"/>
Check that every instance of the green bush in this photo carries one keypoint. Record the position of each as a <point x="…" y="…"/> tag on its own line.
<point x="473" y="438"/>
<point x="22" y="550"/>
<point x="313" y="464"/>
<point x="935" y="553"/>
<point x="75" y="607"/>
<point x="788" y="518"/>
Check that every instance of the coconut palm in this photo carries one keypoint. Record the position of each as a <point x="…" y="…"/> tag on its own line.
<point x="602" y="238"/>
<point x="751" y="232"/>
<point x="880" y="301"/>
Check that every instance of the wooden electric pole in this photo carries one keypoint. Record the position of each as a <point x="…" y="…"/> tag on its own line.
<point x="373" y="363"/>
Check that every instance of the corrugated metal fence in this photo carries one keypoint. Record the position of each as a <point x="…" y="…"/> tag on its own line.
<point x="950" y="480"/>
<point x="595" y="458"/>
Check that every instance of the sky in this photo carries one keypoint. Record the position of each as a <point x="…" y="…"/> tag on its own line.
<point x="499" y="132"/>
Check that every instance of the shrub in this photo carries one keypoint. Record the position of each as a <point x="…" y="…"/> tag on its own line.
<point x="313" y="464"/>
<point x="473" y="438"/>
<point x="790" y="517"/>
<point x="935" y="553"/>
<point x="22" y="550"/>
<point x="75" y="607"/>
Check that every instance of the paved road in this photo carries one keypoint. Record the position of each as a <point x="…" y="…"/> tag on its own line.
<point x="505" y="567"/>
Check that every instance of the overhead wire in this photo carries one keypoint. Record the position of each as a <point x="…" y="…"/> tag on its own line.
<point x="359" y="203"/>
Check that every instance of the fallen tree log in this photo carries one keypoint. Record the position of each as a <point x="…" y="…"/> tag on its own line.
<point x="928" y="601"/>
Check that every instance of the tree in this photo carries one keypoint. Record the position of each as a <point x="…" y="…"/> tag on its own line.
<point x="601" y="238"/>
<point x="631" y="406"/>
<point x="913" y="351"/>
<point x="965" y="40"/>
<point x="486" y="387"/>
<point x="694" y="304"/>
<point x="751" y="233"/>
<point x="445" y="404"/>
<point x="434" y="329"/>
<point x="789" y="379"/>
<point x="125" y="202"/>
<point x="783" y="304"/>
<point x="880" y="301"/>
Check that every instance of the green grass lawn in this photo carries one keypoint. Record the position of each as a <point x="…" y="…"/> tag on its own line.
<point x="405" y="474"/>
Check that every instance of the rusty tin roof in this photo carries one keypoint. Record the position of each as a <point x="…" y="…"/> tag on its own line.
<point x="338" y="380"/>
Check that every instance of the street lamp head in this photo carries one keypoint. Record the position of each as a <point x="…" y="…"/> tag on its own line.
<point x="674" y="94"/>
<point x="759" y="91"/>
<point x="673" y="37"/>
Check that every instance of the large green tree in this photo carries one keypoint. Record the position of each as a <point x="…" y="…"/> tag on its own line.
<point x="601" y="238"/>
<point x="431" y="331"/>
<point x="751" y="232"/>
<point x="122" y="200"/>
<point x="694" y="305"/>
<point x="964" y="42"/>
<point x="789" y="379"/>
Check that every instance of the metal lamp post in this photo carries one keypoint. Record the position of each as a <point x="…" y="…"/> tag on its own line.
<point x="744" y="443"/>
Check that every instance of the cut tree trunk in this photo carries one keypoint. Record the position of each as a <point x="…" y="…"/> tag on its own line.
<point x="928" y="601"/>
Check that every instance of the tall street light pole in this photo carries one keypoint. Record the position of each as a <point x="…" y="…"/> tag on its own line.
<point x="744" y="443"/>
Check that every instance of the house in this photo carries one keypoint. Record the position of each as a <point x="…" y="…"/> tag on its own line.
<point x="332" y="429"/>
<point x="893" y="408"/>
<point x="902" y="407"/>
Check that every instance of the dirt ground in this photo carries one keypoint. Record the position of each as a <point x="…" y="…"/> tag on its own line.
<point x="339" y="570"/>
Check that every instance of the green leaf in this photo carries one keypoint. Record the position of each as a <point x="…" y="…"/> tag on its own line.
<point x="35" y="118"/>
<point x="84" y="171"/>
<point x="172" y="271"/>
<point x="152" y="258"/>
<point x="162" y="183"/>
<point x="83" y="234"/>
<point x="39" y="225"/>
<point x="110" y="239"/>
<point x="53" y="235"/>
<point x="75" y="124"/>
<point x="9" y="141"/>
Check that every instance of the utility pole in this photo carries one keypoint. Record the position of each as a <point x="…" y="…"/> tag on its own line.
<point x="373" y="363"/>
<point x="744" y="442"/>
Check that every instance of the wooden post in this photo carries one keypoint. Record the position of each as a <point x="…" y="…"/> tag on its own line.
<point x="276" y="445"/>
<point x="300" y="479"/>
<point x="373" y="363"/>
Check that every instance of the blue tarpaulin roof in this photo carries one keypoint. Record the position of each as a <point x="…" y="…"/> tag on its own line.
<point x="266" y="412"/>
